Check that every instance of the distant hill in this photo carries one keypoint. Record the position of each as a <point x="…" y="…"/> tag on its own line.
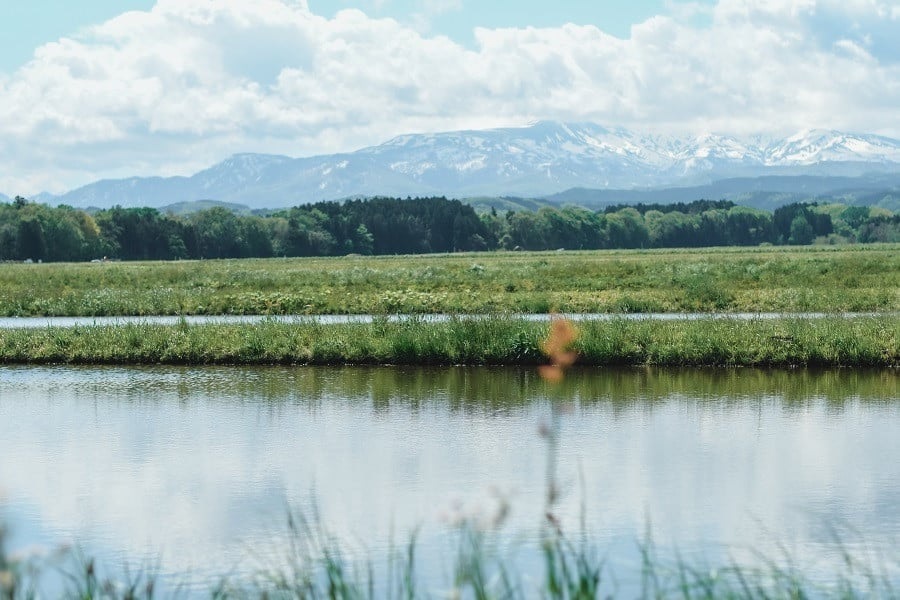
<point x="536" y="161"/>
<point x="769" y="192"/>
<point x="4" y="198"/>
<point x="503" y="204"/>
<point x="189" y="208"/>
<point x="885" y="199"/>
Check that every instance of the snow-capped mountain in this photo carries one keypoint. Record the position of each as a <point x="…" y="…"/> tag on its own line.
<point x="541" y="159"/>
<point x="818" y="145"/>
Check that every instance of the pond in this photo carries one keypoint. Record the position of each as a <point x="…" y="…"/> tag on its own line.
<point x="193" y="470"/>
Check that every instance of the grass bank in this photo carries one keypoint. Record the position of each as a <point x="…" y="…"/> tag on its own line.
<point x="831" y="341"/>
<point x="802" y="279"/>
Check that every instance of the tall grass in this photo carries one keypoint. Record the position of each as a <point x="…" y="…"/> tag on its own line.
<point x="316" y="565"/>
<point x="832" y="341"/>
<point x="823" y="279"/>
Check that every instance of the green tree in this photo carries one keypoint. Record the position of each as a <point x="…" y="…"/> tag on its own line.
<point x="627" y="229"/>
<point x="364" y="241"/>
<point x="526" y="230"/>
<point x="672" y="229"/>
<point x="801" y="231"/>
<point x="31" y="240"/>
<point x="9" y="242"/>
<point x="219" y="233"/>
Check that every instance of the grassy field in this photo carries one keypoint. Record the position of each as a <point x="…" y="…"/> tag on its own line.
<point x="778" y="279"/>
<point x="831" y="341"/>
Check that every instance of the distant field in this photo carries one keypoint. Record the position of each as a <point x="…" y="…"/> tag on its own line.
<point x="817" y="278"/>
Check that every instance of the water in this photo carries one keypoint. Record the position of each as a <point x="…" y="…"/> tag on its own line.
<point x="43" y="322"/>
<point x="193" y="469"/>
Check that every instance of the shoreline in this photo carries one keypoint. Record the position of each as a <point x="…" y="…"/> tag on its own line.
<point x="828" y="341"/>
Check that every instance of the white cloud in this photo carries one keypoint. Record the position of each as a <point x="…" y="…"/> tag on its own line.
<point x="429" y="9"/>
<point x="179" y="87"/>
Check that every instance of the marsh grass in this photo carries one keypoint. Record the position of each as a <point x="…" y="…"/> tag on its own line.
<point x="821" y="279"/>
<point x="501" y="340"/>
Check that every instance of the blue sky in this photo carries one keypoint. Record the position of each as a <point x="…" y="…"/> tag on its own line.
<point x="111" y="88"/>
<point x="28" y="24"/>
<point x="457" y="18"/>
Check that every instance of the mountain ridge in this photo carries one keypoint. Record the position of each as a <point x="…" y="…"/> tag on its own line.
<point x="766" y="192"/>
<point x="542" y="159"/>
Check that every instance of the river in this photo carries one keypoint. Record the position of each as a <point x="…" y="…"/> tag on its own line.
<point x="43" y="322"/>
<point x="193" y="470"/>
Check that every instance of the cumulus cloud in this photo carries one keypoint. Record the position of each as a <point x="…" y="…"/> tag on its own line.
<point x="429" y="9"/>
<point x="189" y="82"/>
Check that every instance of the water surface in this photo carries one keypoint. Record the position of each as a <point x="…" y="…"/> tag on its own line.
<point x="195" y="467"/>
<point x="43" y="322"/>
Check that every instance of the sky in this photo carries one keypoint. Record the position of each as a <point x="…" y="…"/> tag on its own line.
<point x="111" y="88"/>
<point x="37" y="22"/>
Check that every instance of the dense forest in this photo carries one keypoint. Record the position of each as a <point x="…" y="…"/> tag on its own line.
<point x="37" y="232"/>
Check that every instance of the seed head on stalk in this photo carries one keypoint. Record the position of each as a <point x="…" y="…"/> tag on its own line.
<point x="557" y="347"/>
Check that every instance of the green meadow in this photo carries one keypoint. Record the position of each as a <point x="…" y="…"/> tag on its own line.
<point x="765" y="279"/>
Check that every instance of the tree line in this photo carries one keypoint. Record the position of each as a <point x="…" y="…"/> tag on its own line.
<point x="422" y="225"/>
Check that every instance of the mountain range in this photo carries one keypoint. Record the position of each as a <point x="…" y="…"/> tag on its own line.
<point x="539" y="160"/>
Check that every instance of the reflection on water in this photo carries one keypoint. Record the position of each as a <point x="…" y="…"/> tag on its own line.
<point x="197" y="465"/>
